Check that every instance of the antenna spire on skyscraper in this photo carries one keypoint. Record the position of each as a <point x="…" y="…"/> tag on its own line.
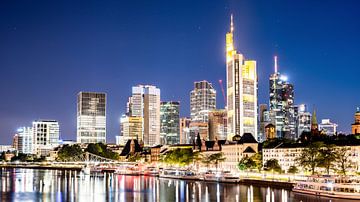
<point x="231" y="23"/>
<point x="275" y="64"/>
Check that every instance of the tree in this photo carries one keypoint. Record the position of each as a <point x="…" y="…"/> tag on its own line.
<point x="246" y="163"/>
<point x="206" y="160"/>
<point x="257" y="158"/>
<point x="217" y="158"/>
<point x="101" y="149"/>
<point x="272" y="164"/>
<point x="342" y="159"/>
<point x="293" y="170"/>
<point x="198" y="141"/>
<point x="180" y="156"/>
<point x="310" y="156"/>
<point x="327" y="157"/>
<point x="68" y="151"/>
<point x="134" y="157"/>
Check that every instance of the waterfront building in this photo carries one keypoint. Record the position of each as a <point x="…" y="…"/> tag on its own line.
<point x="282" y="104"/>
<point x="46" y="134"/>
<point x="217" y="124"/>
<point x="91" y="117"/>
<point x="25" y="140"/>
<point x="202" y="100"/>
<point x="241" y="85"/>
<point x="238" y="148"/>
<point x="131" y="127"/>
<point x="355" y="127"/>
<point x="7" y="148"/>
<point x="170" y="122"/>
<point x="145" y="103"/>
<point x="327" y="127"/>
<point x="185" y="130"/>
<point x="286" y="156"/>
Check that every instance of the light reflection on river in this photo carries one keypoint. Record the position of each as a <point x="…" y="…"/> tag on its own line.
<point x="55" y="185"/>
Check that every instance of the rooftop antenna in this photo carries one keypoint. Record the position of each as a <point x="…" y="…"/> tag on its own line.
<point x="275" y="64"/>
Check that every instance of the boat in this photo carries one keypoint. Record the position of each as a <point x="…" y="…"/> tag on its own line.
<point x="179" y="174"/>
<point x="330" y="186"/>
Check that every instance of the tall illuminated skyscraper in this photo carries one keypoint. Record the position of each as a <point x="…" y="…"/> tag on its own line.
<point x="241" y="84"/>
<point x="91" y="117"/>
<point x="281" y="95"/>
<point x="170" y="121"/>
<point x="202" y="101"/>
<point x="145" y="103"/>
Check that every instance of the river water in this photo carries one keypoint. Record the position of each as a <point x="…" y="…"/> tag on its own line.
<point x="61" y="185"/>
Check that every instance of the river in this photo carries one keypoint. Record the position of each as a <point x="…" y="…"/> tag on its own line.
<point x="63" y="185"/>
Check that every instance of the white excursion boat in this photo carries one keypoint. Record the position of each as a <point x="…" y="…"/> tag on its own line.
<point x="330" y="186"/>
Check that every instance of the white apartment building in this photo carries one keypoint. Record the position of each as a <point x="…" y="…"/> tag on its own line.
<point x="91" y="117"/>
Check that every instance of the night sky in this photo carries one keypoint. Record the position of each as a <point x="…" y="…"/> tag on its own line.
<point x="51" y="50"/>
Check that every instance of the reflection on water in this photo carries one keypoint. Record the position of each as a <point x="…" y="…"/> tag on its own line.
<point x="55" y="185"/>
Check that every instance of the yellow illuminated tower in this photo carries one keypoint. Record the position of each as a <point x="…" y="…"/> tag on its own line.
<point x="241" y="83"/>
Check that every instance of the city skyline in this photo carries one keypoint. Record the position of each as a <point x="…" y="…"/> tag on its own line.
<point x="62" y="80"/>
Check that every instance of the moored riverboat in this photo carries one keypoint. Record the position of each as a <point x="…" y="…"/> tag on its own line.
<point x="330" y="186"/>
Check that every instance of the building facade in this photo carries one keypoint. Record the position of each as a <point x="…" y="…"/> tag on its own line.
<point x="25" y="140"/>
<point x="131" y="127"/>
<point x="46" y="134"/>
<point x="91" y="117"/>
<point x="303" y="121"/>
<point x="145" y="103"/>
<point x="185" y="130"/>
<point x="217" y="124"/>
<point x="327" y="127"/>
<point x="241" y="85"/>
<point x="170" y="122"/>
<point x="202" y="100"/>
<point x="355" y="127"/>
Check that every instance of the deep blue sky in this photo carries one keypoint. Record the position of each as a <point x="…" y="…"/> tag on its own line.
<point x="51" y="50"/>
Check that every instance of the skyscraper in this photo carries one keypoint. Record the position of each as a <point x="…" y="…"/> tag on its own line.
<point x="282" y="105"/>
<point x="170" y="121"/>
<point x="202" y="100"/>
<point x="131" y="127"/>
<point x="46" y="134"/>
<point x="241" y="77"/>
<point x="185" y="130"/>
<point x="91" y="117"/>
<point x="217" y="124"/>
<point x="303" y="121"/>
<point x="25" y="140"/>
<point x="145" y="103"/>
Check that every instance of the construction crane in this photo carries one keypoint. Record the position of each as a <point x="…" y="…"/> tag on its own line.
<point x="222" y="90"/>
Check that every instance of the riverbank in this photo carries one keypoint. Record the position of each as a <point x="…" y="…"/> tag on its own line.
<point x="245" y="181"/>
<point x="45" y="167"/>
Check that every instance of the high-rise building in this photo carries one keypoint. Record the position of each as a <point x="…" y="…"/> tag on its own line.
<point x="185" y="130"/>
<point x="282" y="110"/>
<point x="170" y="122"/>
<point x="46" y="133"/>
<point x="355" y="127"/>
<point x="131" y="127"/>
<point x="217" y="124"/>
<point x="145" y="103"/>
<point x="202" y="100"/>
<point x="25" y="140"/>
<point x="264" y="120"/>
<point x="241" y="84"/>
<point x="303" y="121"/>
<point x="327" y="127"/>
<point x="91" y="117"/>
